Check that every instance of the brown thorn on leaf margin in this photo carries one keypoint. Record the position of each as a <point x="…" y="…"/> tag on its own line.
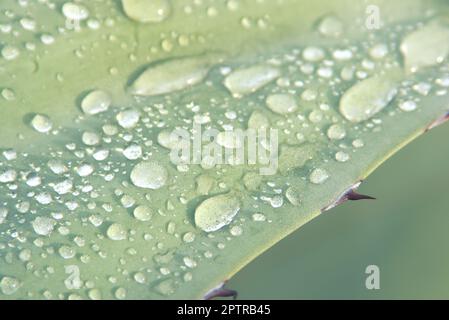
<point x="220" y="292"/>
<point x="349" y="194"/>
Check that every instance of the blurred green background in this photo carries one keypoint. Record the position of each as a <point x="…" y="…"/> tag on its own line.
<point x="404" y="232"/>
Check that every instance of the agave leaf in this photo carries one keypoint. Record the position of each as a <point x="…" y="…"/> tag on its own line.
<point x="92" y="206"/>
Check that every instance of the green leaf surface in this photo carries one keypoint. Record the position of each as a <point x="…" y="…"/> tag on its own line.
<point x="92" y="206"/>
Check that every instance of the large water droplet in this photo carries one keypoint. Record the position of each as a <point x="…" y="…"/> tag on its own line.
<point x="216" y="212"/>
<point x="368" y="97"/>
<point x="9" y="285"/>
<point x="95" y="102"/>
<point x="330" y="26"/>
<point x="425" y="47"/>
<point x="249" y="80"/>
<point x="149" y="175"/>
<point x="145" y="11"/>
<point x="282" y="103"/>
<point x="41" y="123"/>
<point x="172" y="75"/>
<point x="43" y="226"/>
<point x="74" y="11"/>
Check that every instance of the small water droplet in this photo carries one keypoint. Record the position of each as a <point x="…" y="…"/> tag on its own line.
<point x="330" y="26"/>
<point x="336" y="132"/>
<point x="342" y="156"/>
<point x="318" y="176"/>
<point x="116" y="232"/>
<point x="408" y="105"/>
<point x="245" y="81"/>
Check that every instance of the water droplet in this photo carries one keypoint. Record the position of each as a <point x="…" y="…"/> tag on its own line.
<point x="313" y="54"/>
<point x="259" y="217"/>
<point x="330" y="26"/>
<point x="95" y="102"/>
<point x="336" y="132"/>
<point x="426" y="46"/>
<point x="43" y="226"/>
<point x="116" y="232"/>
<point x="94" y="294"/>
<point x="188" y="237"/>
<point x="236" y="231"/>
<point x="90" y="138"/>
<point x="318" y="176"/>
<point x="41" y="123"/>
<point x="165" y="287"/>
<point x="74" y="11"/>
<point x="216" y="212"/>
<point x="149" y="175"/>
<point x="282" y="103"/>
<point x="10" y="52"/>
<point x="258" y="120"/>
<point x="133" y="152"/>
<point x="358" y="143"/>
<point x="63" y="187"/>
<point x="9" y="285"/>
<point x="173" y="75"/>
<point x="341" y="156"/>
<point x="368" y="97"/>
<point x="120" y="293"/>
<point x="67" y="252"/>
<point x="379" y="51"/>
<point x="145" y="11"/>
<point x="8" y="94"/>
<point x="408" y="105"/>
<point x="245" y="81"/>
<point x="8" y="176"/>
<point x="128" y="118"/>
<point x="143" y="213"/>
<point x="293" y="196"/>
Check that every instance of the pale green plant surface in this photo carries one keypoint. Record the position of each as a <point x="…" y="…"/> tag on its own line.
<point x="169" y="255"/>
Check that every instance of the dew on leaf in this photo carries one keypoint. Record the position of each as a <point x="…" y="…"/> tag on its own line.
<point x="143" y="213"/>
<point x="245" y="81"/>
<point x="145" y="11"/>
<point x="282" y="103"/>
<point x="41" y="123"/>
<point x="368" y="97"/>
<point x="318" y="176"/>
<point x="216" y="212"/>
<point x="95" y="102"/>
<point x="149" y="175"/>
<point x="173" y="75"/>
